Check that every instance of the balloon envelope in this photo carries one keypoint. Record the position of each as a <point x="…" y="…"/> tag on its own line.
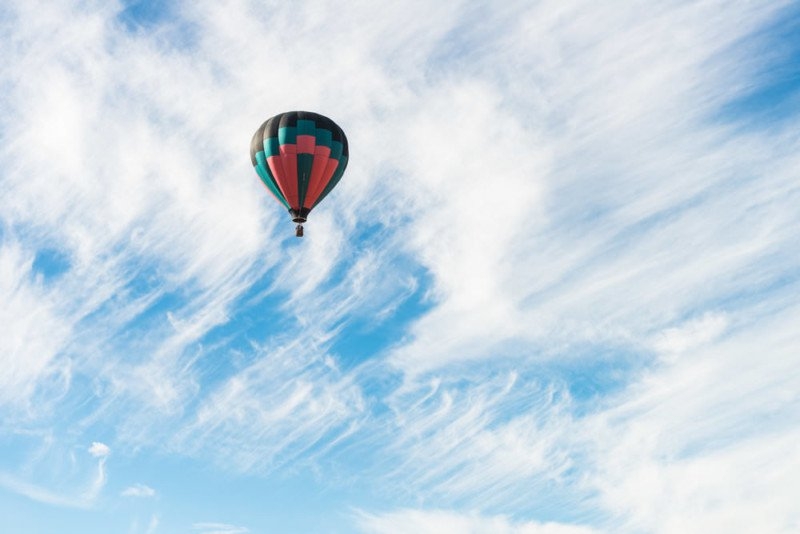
<point x="300" y="156"/>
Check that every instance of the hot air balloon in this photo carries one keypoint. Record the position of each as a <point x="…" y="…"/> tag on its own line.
<point x="300" y="156"/>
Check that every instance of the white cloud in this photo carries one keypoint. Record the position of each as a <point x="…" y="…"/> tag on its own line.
<point x="558" y="169"/>
<point x="219" y="528"/>
<point x="139" y="490"/>
<point x="604" y="232"/>
<point x="151" y="528"/>
<point x="80" y="488"/>
<point x="495" y="441"/>
<point x="99" y="450"/>
<point x="153" y="525"/>
<point x="287" y="406"/>
<point x="447" y="522"/>
<point x="704" y="443"/>
<point x="32" y="331"/>
<point x="700" y="443"/>
<point x="691" y="334"/>
<point x="41" y="494"/>
<point x="138" y="205"/>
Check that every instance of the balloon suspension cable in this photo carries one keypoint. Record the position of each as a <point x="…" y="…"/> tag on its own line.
<point x="298" y="231"/>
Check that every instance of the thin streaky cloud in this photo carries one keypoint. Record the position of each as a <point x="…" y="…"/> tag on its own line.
<point x="445" y="521"/>
<point x="218" y="528"/>
<point x="138" y="490"/>
<point x="555" y="291"/>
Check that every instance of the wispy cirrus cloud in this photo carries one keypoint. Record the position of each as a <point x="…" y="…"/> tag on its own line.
<point x="705" y="433"/>
<point x="494" y="440"/>
<point x="559" y="270"/>
<point x="33" y="330"/>
<point x="138" y="490"/>
<point x="284" y="408"/>
<point x="83" y="490"/>
<point x="219" y="528"/>
<point x="138" y="286"/>
<point x="410" y="521"/>
<point x="657" y="256"/>
<point x="638" y="219"/>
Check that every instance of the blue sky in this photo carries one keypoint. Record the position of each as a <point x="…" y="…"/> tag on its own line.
<point x="555" y="292"/>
